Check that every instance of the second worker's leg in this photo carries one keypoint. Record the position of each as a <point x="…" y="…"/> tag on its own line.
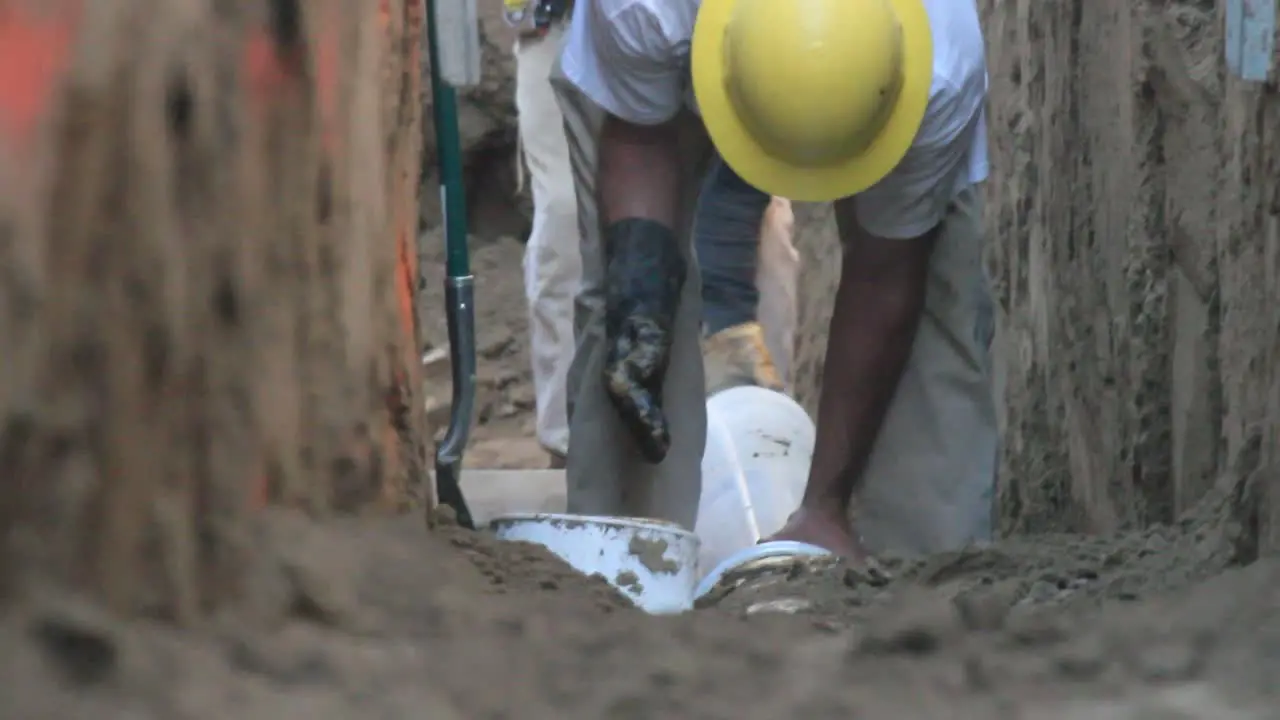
<point x="727" y="229"/>
<point x="552" y="260"/>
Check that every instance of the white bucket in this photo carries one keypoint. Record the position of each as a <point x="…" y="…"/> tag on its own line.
<point x="654" y="564"/>
<point x="754" y="469"/>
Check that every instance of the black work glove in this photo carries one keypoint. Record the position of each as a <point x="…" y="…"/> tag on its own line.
<point x="644" y="275"/>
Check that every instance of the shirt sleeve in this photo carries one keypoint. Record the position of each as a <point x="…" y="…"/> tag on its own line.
<point x="623" y="59"/>
<point x="913" y="198"/>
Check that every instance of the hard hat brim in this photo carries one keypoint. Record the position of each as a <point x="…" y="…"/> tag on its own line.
<point x="784" y="179"/>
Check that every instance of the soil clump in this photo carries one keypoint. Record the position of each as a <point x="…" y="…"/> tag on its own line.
<point x="381" y="618"/>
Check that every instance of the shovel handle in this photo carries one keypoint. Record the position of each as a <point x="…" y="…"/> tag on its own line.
<point x="460" y="299"/>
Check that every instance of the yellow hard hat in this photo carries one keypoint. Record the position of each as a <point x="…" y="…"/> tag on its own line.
<point x="812" y="100"/>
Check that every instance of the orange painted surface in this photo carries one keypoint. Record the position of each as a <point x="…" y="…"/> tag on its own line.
<point x="406" y="279"/>
<point x="326" y="60"/>
<point x="264" y="72"/>
<point x="269" y="73"/>
<point x="35" y="52"/>
<point x="266" y="76"/>
<point x="259" y="496"/>
<point x="36" y="46"/>
<point x="404" y="219"/>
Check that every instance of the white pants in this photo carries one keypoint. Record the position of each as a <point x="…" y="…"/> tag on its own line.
<point x="552" y="261"/>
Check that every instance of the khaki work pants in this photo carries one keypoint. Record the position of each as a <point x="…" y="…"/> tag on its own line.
<point x="606" y="474"/>
<point x="552" y="259"/>
<point x="930" y="481"/>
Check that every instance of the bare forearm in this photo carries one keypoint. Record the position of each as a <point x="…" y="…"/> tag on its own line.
<point x="873" y="327"/>
<point x="868" y="345"/>
<point x="639" y="172"/>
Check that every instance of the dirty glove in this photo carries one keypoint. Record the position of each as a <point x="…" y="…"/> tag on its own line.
<point x="644" y="275"/>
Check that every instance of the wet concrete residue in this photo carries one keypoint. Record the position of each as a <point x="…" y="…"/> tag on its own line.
<point x="652" y="555"/>
<point x="563" y="524"/>
<point x="629" y="581"/>
<point x="782" y="449"/>
<point x="660" y="522"/>
<point x="781" y="442"/>
<point x="785" y="606"/>
<point x="765" y="572"/>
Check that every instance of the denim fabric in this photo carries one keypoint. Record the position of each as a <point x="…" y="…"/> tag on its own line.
<point x="726" y="232"/>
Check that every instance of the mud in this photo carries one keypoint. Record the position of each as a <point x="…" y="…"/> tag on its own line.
<point x="382" y="619"/>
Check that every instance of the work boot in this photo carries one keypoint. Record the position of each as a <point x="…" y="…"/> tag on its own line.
<point x="738" y="356"/>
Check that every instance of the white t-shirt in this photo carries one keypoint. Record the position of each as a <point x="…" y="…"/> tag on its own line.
<point x="631" y="57"/>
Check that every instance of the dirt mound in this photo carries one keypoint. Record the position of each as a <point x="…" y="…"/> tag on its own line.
<point x="1069" y="572"/>
<point x="381" y="619"/>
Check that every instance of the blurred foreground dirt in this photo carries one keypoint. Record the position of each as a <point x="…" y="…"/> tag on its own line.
<point x="380" y="619"/>
<point x="225" y="323"/>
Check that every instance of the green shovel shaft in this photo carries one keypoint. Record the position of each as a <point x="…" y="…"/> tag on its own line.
<point x="459" y="285"/>
<point x="444" y="100"/>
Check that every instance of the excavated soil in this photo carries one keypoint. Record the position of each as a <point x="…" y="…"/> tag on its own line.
<point x="381" y="619"/>
<point x="363" y="618"/>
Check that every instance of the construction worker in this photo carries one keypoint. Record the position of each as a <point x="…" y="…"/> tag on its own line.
<point x="734" y="233"/>
<point x="748" y="288"/>
<point x="876" y="105"/>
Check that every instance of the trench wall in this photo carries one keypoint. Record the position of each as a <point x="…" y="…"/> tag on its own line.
<point x="1135" y="249"/>
<point x="207" y="216"/>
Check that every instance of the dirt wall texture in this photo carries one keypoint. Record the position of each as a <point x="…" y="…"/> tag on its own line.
<point x="207" y="216"/>
<point x="1135" y="228"/>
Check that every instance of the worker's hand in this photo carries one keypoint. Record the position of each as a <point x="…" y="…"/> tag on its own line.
<point x="644" y="277"/>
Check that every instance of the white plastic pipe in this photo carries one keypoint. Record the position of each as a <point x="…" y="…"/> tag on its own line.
<point x="732" y="468"/>
<point x="754" y="469"/>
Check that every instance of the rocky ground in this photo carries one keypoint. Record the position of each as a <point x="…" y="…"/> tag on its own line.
<point x="370" y="619"/>
<point x="504" y="432"/>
